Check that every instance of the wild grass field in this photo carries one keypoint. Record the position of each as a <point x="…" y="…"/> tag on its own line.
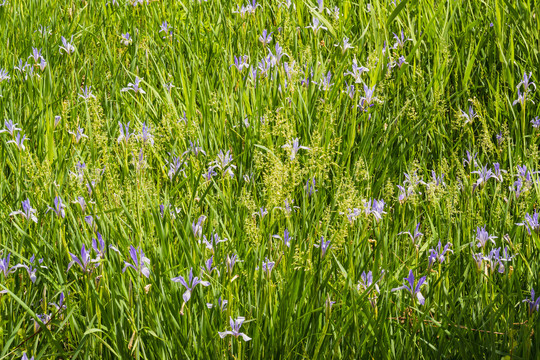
<point x="269" y="180"/>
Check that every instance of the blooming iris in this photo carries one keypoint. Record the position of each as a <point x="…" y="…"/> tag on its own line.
<point x="483" y="236"/>
<point x="324" y="245"/>
<point x="134" y="86"/>
<point x="190" y="284"/>
<point x="408" y="284"/>
<point x="235" y="326"/>
<point x="413" y="236"/>
<point x="140" y="261"/>
<point x="437" y="254"/>
<point x="28" y="212"/>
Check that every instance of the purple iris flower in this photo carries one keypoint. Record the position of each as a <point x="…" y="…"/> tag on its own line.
<point x="85" y="262"/>
<point x="124" y="133"/>
<point x="470" y="159"/>
<point x="42" y="64"/>
<point x="79" y="134"/>
<point x="310" y="188"/>
<point x="190" y="284"/>
<point x="19" y="142"/>
<point x="526" y="82"/>
<point x="356" y="72"/>
<point x="484" y="174"/>
<point x="31" y="269"/>
<point x="4" y="266"/>
<point x="175" y="166"/>
<point x="517" y="188"/>
<point x="294" y="146"/>
<point x="235" y="325"/>
<point x="231" y="261"/>
<point x="224" y="163"/>
<point x="168" y="86"/>
<point x="164" y="27"/>
<point x="21" y="68"/>
<point x="59" y="207"/>
<point x="400" y="41"/>
<point x="483" y="237"/>
<point x="496" y="259"/>
<point x="24" y="356"/>
<point x="478" y="259"/>
<point x="208" y="268"/>
<point x="404" y="193"/>
<point x="365" y="283"/>
<point x="209" y="174"/>
<point x="86" y="93"/>
<point x="324" y="246"/>
<point x="286" y="237"/>
<point x="267" y="266"/>
<point x="10" y="127"/>
<point x="134" y="86"/>
<point x="375" y="207"/>
<point x="345" y="46"/>
<point x="500" y="138"/>
<point x="145" y="135"/>
<point x="266" y="37"/>
<point x="437" y="180"/>
<point x="79" y="171"/>
<point x="534" y="302"/>
<point x="368" y="98"/>
<point x="521" y="98"/>
<point x="140" y="262"/>
<point x="276" y="58"/>
<point x="195" y="148"/>
<point x="316" y="26"/>
<point x="28" y="212"/>
<point x="214" y="240"/>
<point x="324" y="83"/>
<point x="288" y="208"/>
<point x="531" y="222"/>
<point x="469" y="117"/>
<point x="349" y="90"/>
<point x="99" y="246"/>
<point x="60" y="306"/>
<point x="81" y="202"/>
<point x="240" y="63"/>
<point x="4" y="75"/>
<point x="262" y="212"/>
<point x="126" y="39"/>
<point x="413" y="236"/>
<point x="89" y="219"/>
<point x="67" y="46"/>
<point x="196" y="227"/>
<point x="221" y="303"/>
<point x="536" y="122"/>
<point x="36" y="54"/>
<point x="264" y="66"/>
<point x="437" y="254"/>
<point x="408" y="284"/>
<point x="497" y="172"/>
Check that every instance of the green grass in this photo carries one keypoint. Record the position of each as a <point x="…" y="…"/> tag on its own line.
<point x="454" y="60"/>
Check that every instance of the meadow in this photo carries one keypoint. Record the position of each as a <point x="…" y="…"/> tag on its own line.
<point x="352" y="179"/>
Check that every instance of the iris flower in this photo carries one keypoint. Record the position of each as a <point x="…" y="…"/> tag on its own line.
<point x="28" y="212"/>
<point x="10" y="127"/>
<point x="190" y="284"/>
<point x="140" y="261"/>
<point x="408" y="284"/>
<point x="134" y="86"/>
<point x="414" y="235"/>
<point x="235" y="326"/>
